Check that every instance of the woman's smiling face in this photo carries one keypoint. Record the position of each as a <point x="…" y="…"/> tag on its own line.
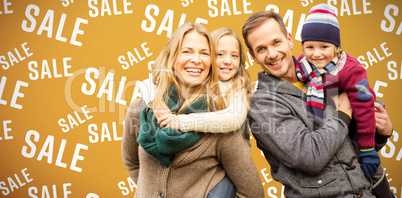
<point x="193" y="61"/>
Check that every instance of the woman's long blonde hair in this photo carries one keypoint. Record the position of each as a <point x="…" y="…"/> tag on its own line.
<point x="164" y="75"/>
<point x="241" y="80"/>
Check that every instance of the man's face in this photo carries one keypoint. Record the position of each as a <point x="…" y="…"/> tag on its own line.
<point x="272" y="50"/>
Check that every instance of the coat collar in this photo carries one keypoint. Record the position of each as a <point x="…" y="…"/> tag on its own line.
<point x="271" y="83"/>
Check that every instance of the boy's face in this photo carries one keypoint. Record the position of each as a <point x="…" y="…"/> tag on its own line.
<point x="319" y="53"/>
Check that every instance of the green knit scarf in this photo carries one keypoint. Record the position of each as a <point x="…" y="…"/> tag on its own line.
<point x="163" y="143"/>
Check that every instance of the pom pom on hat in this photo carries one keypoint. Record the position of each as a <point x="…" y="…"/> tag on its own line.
<point x="321" y="25"/>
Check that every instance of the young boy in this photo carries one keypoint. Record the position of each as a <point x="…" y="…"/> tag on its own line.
<point x="330" y="70"/>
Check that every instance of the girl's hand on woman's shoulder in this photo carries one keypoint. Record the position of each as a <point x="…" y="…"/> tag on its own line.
<point x="160" y="110"/>
<point x="169" y="120"/>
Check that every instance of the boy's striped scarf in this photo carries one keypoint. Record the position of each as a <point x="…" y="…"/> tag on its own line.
<point x="315" y="92"/>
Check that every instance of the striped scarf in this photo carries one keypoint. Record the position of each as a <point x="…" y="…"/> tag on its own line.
<point x="315" y="92"/>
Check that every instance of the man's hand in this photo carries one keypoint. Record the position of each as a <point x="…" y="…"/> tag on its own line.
<point x="342" y="103"/>
<point x="383" y="123"/>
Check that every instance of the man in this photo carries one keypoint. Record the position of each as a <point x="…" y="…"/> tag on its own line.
<point x="309" y="159"/>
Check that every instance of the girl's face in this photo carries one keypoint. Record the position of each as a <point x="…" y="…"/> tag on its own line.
<point x="228" y="57"/>
<point x="319" y="53"/>
<point x="193" y="61"/>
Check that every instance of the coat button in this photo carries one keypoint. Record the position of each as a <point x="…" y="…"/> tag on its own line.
<point x="319" y="181"/>
<point x="351" y="167"/>
<point x="161" y="195"/>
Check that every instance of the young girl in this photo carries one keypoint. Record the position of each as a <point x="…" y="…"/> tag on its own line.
<point x="331" y="70"/>
<point x="234" y="85"/>
<point x="165" y="161"/>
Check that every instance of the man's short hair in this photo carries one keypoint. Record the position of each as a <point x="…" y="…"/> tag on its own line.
<point x="257" y="19"/>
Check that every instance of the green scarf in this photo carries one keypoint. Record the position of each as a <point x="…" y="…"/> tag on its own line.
<point x="163" y="143"/>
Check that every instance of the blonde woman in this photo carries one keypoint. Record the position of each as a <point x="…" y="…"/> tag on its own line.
<point x="234" y="85"/>
<point x="168" y="163"/>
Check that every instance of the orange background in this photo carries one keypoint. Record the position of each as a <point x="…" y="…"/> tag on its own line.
<point x="115" y="31"/>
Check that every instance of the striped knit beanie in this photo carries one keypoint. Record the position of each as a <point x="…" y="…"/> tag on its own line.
<point x="321" y="25"/>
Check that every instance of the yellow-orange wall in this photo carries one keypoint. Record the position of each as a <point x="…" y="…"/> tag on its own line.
<point x="47" y="47"/>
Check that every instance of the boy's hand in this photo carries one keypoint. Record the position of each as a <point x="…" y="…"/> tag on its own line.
<point x="370" y="161"/>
